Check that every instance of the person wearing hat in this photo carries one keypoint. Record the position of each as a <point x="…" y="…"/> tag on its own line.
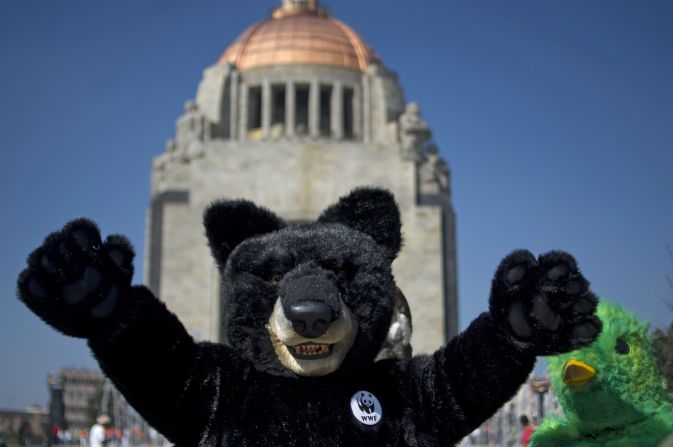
<point x="97" y="432"/>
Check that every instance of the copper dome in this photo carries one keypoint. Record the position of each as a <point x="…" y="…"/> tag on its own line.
<point x="299" y="32"/>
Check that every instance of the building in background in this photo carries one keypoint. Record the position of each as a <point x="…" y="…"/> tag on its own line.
<point x="32" y="424"/>
<point x="296" y="112"/>
<point x="503" y="429"/>
<point x="78" y="396"/>
<point x="71" y="393"/>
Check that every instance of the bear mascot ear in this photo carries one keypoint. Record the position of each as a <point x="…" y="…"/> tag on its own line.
<point x="230" y="222"/>
<point x="372" y="211"/>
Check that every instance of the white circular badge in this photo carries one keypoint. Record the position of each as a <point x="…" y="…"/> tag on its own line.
<point x="366" y="408"/>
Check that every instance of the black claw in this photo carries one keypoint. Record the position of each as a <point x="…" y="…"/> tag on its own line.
<point x="82" y="239"/>
<point x="79" y="290"/>
<point x="47" y="265"/>
<point x="36" y="289"/>
<point x="117" y="257"/>
<point x="120" y="250"/>
<point x="516" y="274"/>
<point x="558" y="272"/>
<point x="554" y="258"/>
<point x="586" y="332"/>
<point x="35" y="257"/>
<point x="64" y="252"/>
<point x="82" y="224"/>
<point x="573" y="288"/>
<point x="84" y="235"/>
<point x="583" y="306"/>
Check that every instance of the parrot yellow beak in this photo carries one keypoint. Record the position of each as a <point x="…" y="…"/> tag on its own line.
<point x="577" y="373"/>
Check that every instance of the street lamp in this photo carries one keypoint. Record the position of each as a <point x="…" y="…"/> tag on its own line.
<point x="540" y="386"/>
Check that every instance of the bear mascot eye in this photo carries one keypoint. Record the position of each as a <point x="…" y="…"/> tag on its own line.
<point x="275" y="278"/>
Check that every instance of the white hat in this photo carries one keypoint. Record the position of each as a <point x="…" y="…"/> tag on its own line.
<point x="103" y="419"/>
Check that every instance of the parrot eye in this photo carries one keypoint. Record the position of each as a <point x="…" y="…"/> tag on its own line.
<point x="622" y="347"/>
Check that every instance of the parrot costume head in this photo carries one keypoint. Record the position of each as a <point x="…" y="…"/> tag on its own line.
<point x="611" y="388"/>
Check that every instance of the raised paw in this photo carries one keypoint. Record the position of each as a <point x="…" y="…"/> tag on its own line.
<point x="544" y="303"/>
<point x="74" y="280"/>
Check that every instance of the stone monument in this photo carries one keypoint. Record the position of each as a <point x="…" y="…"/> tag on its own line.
<point x="295" y="113"/>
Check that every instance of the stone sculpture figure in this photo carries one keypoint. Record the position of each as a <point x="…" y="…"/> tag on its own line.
<point x="434" y="173"/>
<point x="414" y="132"/>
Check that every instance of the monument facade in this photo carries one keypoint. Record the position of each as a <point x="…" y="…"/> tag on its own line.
<point x="296" y="112"/>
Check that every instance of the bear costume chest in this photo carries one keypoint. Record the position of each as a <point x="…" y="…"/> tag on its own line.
<point x="353" y="411"/>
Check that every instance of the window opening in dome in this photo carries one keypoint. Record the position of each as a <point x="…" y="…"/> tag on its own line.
<point x="254" y="112"/>
<point x="300" y="4"/>
<point x="301" y="113"/>
<point x="347" y="109"/>
<point x="325" y="110"/>
<point x="277" y="110"/>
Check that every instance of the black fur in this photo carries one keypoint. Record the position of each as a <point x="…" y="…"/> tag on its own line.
<point x="230" y="222"/>
<point x="370" y="211"/>
<point x="203" y="394"/>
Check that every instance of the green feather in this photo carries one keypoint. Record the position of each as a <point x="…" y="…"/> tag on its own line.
<point x="624" y="404"/>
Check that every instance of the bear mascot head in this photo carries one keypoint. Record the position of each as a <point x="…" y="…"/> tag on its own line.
<point x="308" y="299"/>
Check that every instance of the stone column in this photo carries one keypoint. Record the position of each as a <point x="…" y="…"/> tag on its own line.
<point x="290" y="106"/>
<point x="366" y="114"/>
<point x="233" y="105"/>
<point x="314" y="108"/>
<point x="358" y="105"/>
<point x="266" y="108"/>
<point x="243" y="113"/>
<point x="337" y="110"/>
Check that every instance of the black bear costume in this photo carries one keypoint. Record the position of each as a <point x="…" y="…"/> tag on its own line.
<point x="306" y="309"/>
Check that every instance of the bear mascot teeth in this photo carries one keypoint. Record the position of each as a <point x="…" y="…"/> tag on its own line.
<point x="305" y="309"/>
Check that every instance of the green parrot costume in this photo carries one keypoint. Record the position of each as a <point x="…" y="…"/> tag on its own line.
<point x="611" y="391"/>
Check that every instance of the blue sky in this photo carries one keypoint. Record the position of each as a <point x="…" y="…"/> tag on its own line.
<point x="556" y="118"/>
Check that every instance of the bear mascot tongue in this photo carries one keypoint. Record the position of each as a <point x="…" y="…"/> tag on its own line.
<point x="305" y="311"/>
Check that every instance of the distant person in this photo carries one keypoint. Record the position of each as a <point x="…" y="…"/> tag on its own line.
<point x="97" y="433"/>
<point x="527" y="430"/>
<point x="25" y="433"/>
<point x="3" y="428"/>
<point x="56" y="434"/>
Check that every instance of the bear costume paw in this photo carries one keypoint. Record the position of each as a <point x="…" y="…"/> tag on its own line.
<point x="545" y="303"/>
<point x="74" y="281"/>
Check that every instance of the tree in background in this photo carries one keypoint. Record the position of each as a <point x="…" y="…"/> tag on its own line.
<point x="663" y="350"/>
<point x="669" y="277"/>
<point x="663" y="341"/>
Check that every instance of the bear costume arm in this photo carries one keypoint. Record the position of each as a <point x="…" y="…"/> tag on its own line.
<point x="172" y="381"/>
<point x="537" y="306"/>
<point x="466" y="381"/>
<point x="80" y="285"/>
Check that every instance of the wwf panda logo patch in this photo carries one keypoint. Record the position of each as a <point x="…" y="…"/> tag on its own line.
<point x="366" y="408"/>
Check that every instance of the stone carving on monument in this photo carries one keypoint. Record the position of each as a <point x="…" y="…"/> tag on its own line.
<point x="191" y="129"/>
<point x="163" y="161"/>
<point x="434" y="173"/>
<point x="414" y="132"/>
